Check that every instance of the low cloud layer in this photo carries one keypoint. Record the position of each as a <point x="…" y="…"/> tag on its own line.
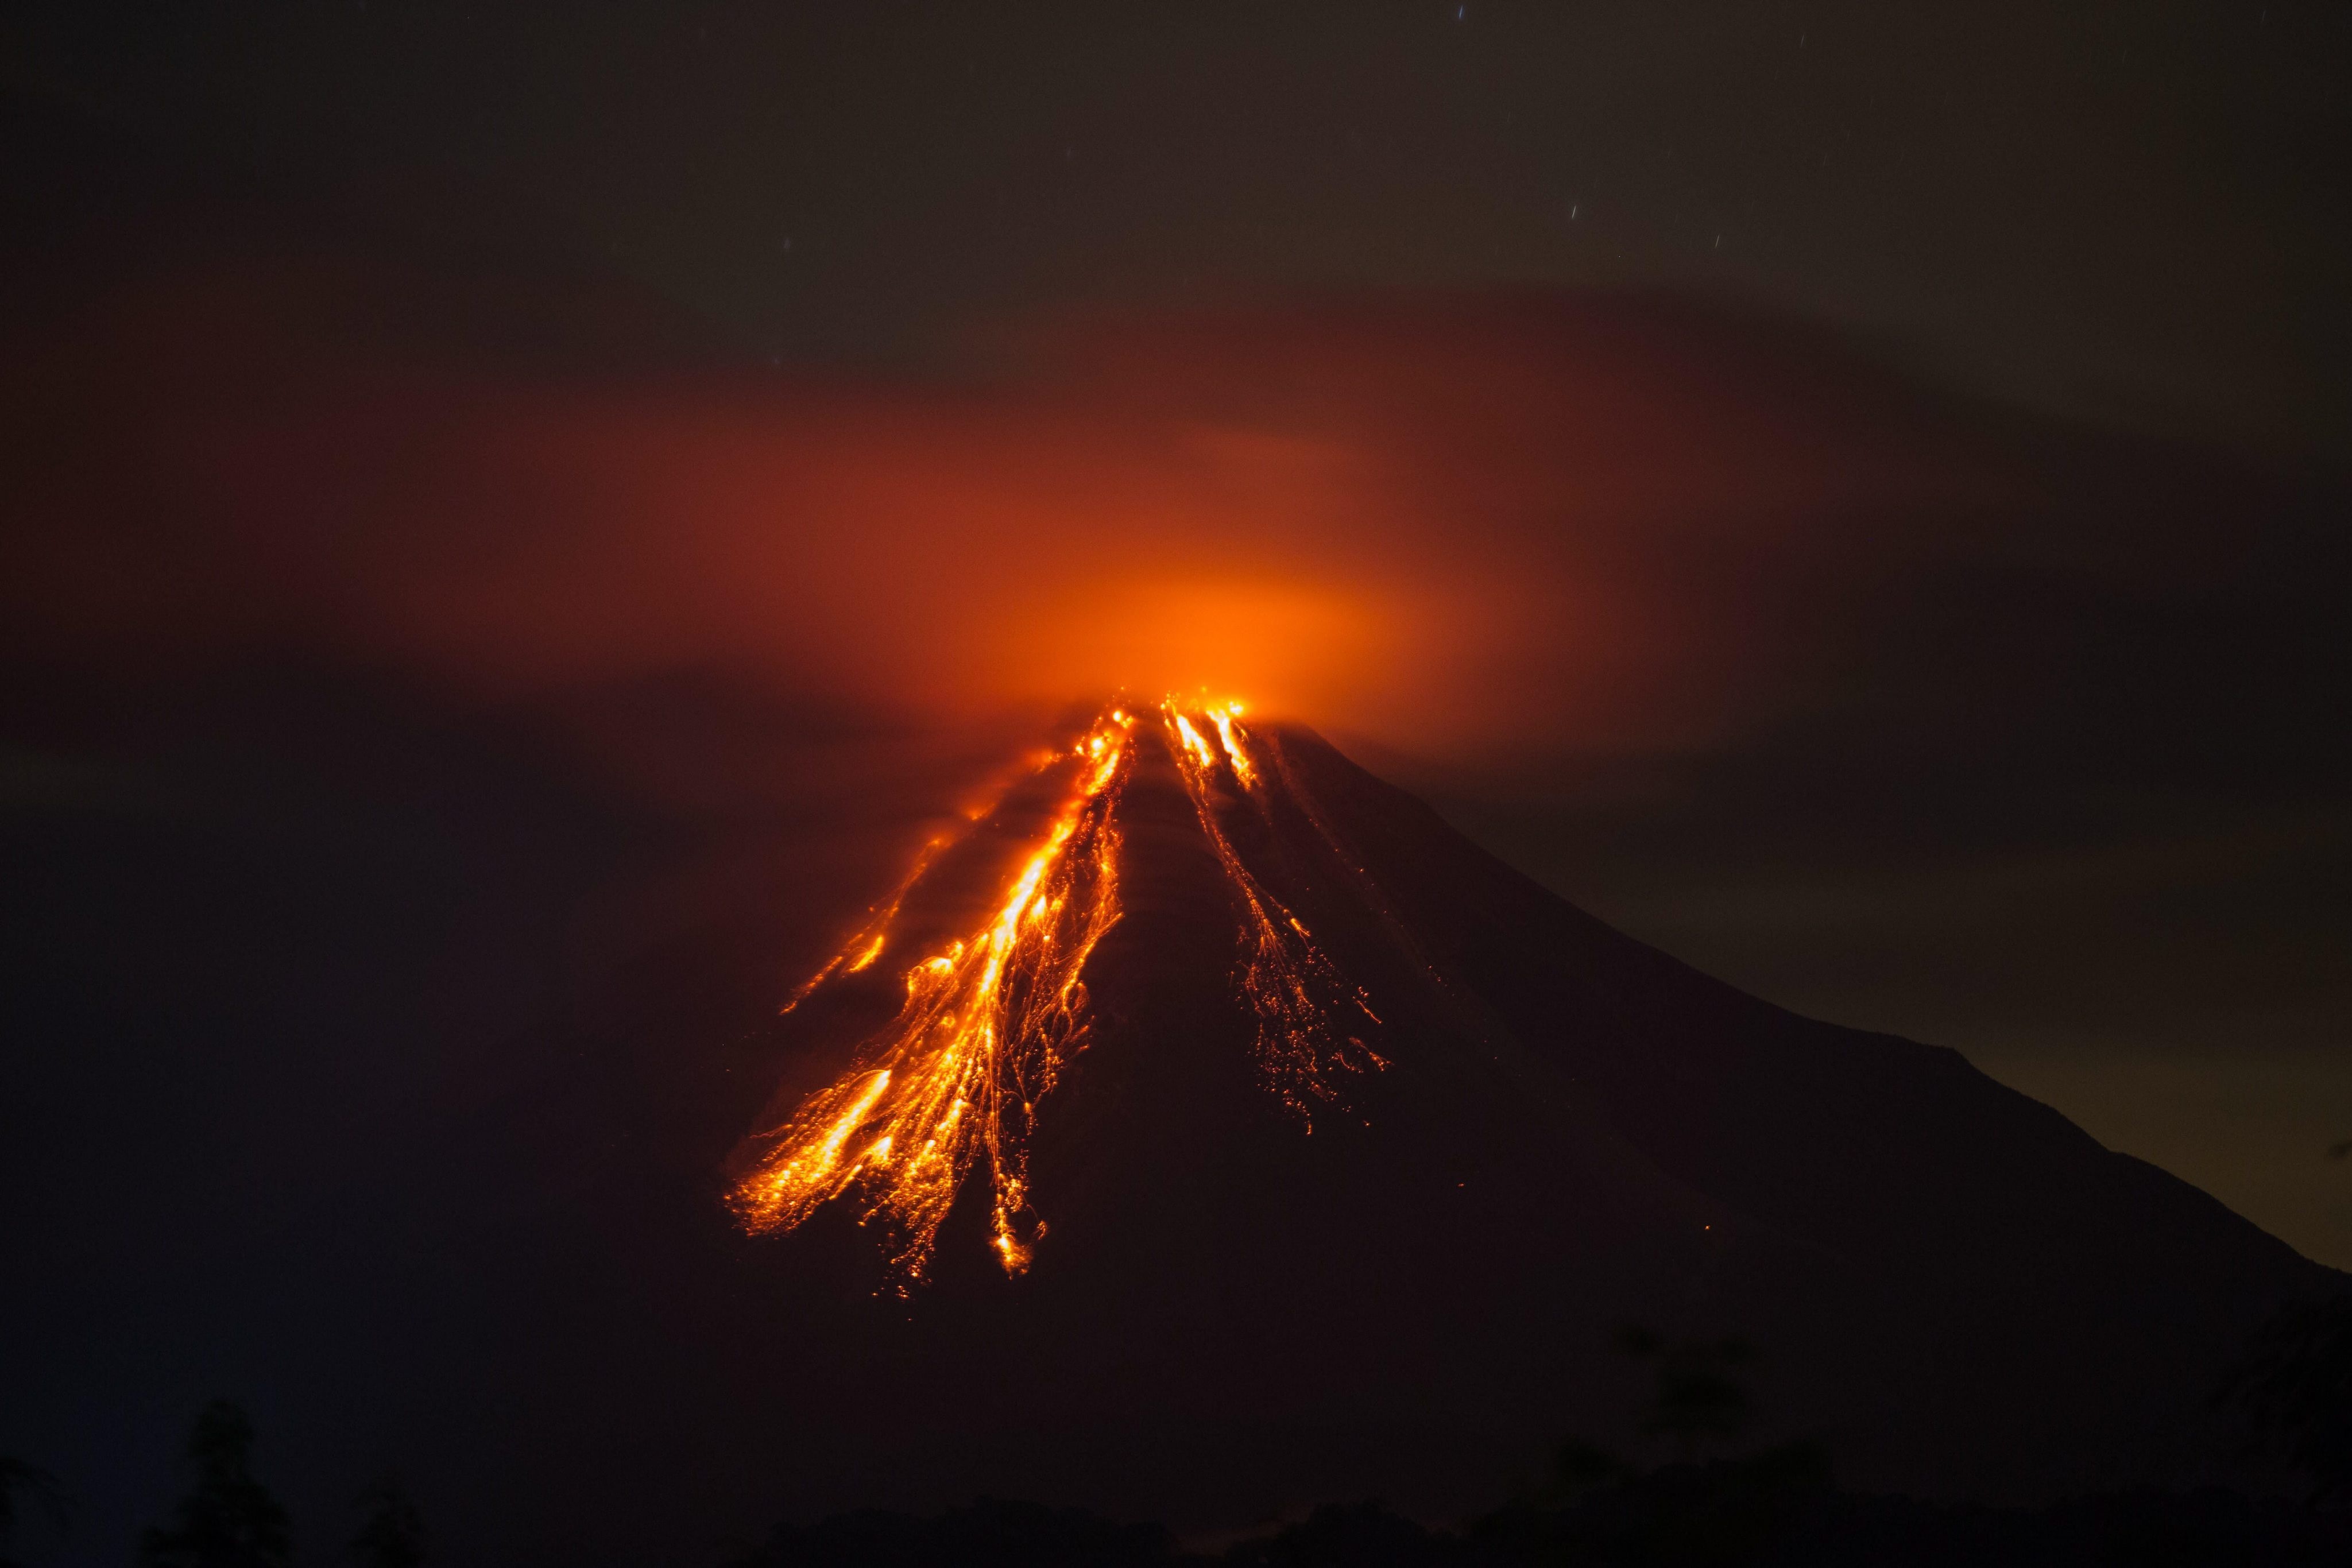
<point x="1454" y="526"/>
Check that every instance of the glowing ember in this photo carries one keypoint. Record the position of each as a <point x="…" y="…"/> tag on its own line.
<point x="985" y="1030"/>
<point x="990" y="1022"/>
<point x="1292" y="986"/>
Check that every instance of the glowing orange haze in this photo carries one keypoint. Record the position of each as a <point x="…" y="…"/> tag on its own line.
<point x="963" y="556"/>
<point x="1425" y="525"/>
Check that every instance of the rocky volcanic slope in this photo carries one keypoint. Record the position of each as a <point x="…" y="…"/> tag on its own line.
<point x="1230" y="1312"/>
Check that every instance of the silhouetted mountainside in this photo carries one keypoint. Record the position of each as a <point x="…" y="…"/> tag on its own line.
<point x="1230" y="1318"/>
<point x="1229" y="1314"/>
<point x="2003" y="1303"/>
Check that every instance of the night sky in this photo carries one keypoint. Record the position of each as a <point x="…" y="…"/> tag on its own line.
<point x="1853" y="495"/>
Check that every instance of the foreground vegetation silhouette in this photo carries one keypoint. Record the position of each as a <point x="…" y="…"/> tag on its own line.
<point x="2296" y="1385"/>
<point x="1708" y="1506"/>
<point x="229" y="1521"/>
<point x="1708" y="1503"/>
<point x="19" y="1480"/>
<point x="393" y="1535"/>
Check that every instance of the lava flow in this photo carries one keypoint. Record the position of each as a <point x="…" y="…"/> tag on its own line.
<point x="986" y="1029"/>
<point x="989" y="1021"/>
<point x="1291" y="986"/>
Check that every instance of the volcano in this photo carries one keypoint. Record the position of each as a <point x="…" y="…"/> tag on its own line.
<point x="1211" y="1128"/>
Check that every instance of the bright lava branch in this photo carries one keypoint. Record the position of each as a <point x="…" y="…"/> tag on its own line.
<point x="990" y="1022"/>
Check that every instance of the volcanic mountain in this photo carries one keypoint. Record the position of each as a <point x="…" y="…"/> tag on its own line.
<point x="1213" y="1129"/>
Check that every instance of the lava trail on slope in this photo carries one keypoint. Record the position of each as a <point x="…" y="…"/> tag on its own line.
<point x="991" y="1019"/>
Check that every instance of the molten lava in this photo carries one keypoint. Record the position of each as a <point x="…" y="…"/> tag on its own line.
<point x="990" y="1020"/>
<point x="986" y="1029"/>
<point x="1291" y="986"/>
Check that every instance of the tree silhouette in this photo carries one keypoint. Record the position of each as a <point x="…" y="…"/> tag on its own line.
<point x="18" y="1478"/>
<point x="2297" y="1387"/>
<point x="393" y="1535"/>
<point x="1698" y="1401"/>
<point x="229" y="1521"/>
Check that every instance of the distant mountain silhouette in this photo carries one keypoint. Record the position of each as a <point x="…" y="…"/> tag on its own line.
<point x="1227" y="1315"/>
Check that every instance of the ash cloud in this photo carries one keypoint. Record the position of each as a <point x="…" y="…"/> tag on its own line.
<point x="1451" y="524"/>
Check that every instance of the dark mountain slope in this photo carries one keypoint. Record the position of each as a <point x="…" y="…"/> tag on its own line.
<point x="1229" y="1317"/>
<point x="1230" y="1314"/>
<point x="2044" y="1311"/>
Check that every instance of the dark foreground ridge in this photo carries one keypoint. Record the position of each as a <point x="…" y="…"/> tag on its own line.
<point x="1764" y="1508"/>
<point x="1718" y="1516"/>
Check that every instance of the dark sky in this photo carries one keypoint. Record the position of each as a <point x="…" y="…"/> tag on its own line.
<point x="1852" y="494"/>
<point x="2129" y="207"/>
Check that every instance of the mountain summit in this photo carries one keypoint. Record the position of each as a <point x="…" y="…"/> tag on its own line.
<point x="1238" y="1134"/>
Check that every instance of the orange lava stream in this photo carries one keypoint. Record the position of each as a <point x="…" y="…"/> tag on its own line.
<point x="987" y="1026"/>
<point x="1290" y="984"/>
<point x="858" y="954"/>
<point x="873" y="936"/>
